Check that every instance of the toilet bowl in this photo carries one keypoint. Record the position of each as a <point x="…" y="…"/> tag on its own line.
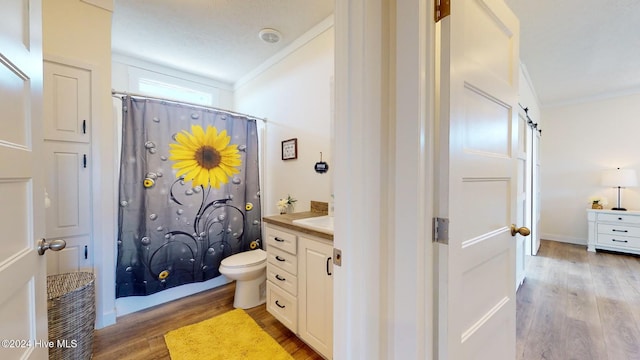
<point x="249" y="270"/>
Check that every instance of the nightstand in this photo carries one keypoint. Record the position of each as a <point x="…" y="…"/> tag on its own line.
<point x="614" y="230"/>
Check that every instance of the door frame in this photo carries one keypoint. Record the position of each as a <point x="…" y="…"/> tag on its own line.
<point x="383" y="185"/>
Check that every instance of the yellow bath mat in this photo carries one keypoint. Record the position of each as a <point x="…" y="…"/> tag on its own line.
<point x="232" y="335"/>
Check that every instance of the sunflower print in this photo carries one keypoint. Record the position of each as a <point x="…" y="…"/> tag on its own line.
<point x="205" y="158"/>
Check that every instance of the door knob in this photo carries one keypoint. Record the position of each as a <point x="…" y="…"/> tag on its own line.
<point x="524" y="231"/>
<point x="55" y="245"/>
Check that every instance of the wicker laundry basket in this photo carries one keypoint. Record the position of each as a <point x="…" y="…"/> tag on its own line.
<point x="72" y="314"/>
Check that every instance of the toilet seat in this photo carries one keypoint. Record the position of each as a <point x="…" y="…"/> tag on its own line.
<point x="245" y="259"/>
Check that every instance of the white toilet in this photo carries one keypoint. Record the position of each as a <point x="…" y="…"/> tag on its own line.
<point x="249" y="270"/>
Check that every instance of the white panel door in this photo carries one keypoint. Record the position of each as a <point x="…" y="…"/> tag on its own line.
<point x="74" y="257"/>
<point x="522" y="202"/>
<point x="68" y="186"/>
<point x="535" y="226"/>
<point x="23" y="302"/>
<point x="478" y="180"/>
<point x="67" y="102"/>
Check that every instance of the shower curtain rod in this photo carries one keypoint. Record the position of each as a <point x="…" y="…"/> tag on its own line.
<point x="115" y="93"/>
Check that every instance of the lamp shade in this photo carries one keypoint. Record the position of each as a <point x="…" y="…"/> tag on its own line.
<point x="619" y="177"/>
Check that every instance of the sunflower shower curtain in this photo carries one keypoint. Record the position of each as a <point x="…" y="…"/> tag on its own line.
<point x="189" y="194"/>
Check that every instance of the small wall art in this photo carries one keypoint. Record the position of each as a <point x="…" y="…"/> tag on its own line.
<point x="290" y="149"/>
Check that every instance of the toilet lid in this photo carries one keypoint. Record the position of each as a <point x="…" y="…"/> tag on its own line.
<point x="244" y="259"/>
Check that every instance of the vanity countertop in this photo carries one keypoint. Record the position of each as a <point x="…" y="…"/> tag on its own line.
<point x="286" y="221"/>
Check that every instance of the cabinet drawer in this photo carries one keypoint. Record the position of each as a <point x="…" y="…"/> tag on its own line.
<point x="619" y="218"/>
<point x="282" y="306"/>
<point x="283" y="260"/>
<point x="619" y="241"/>
<point x="281" y="239"/>
<point x="282" y="279"/>
<point x="619" y="230"/>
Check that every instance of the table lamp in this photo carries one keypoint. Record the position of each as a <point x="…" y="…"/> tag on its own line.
<point x="619" y="178"/>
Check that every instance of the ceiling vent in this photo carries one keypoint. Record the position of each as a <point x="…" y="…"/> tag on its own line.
<point x="270" y="36"/>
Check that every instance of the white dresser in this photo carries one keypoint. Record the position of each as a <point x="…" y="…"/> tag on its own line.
<point x="614" y="230"/>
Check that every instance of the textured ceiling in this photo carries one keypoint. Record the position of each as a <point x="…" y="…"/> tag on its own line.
<point x="572" y="49"/>
<point x="213" y="38"/>
<point x="580" y="49"/>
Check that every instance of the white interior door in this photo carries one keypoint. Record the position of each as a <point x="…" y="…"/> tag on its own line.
<point x="67" y="154"/>
<point x="23" y="306"/>
<point x="68" y="215"/>
<point x="523" y="204"/>
<point x="535" y="193"/>
<point x="478" y="180"/>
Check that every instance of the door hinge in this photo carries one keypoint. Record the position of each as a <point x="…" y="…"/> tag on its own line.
<point x="442" y="9"/>
<point x="441" y="230"/>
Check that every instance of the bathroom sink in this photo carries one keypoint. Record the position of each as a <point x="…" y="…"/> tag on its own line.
<point x="321" y="223"/>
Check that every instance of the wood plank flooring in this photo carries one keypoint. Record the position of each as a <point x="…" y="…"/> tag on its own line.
<point x="141" y="335"/>
<point x="572" y="305"/>
<point x="579" y="305"/>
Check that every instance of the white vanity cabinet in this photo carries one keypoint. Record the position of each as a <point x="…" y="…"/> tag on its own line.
<point x="315" y="294"/>
<point x="300" y="285"/>
<point x="282" y="279"/>
<point x="614" y="230"/>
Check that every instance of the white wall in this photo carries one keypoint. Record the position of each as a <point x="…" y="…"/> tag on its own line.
<point x="295" y="96"/>
<point x="578" y="142"/>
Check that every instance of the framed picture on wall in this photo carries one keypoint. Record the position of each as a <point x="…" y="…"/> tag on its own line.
<point x="290" y="149"/>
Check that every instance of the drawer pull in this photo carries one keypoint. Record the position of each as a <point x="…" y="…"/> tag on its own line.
<point x="278" y="239"/>
<point x="328" y="261"/>
<point x="280" y="306"/>
<point x="619" y="218"/>
<point x="280" y="278"/>
<point x="622" y="241"/>
<point x="624" y="231"/>
<point x="279" y="258"/>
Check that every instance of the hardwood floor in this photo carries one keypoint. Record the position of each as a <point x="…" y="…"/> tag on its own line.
<point x="141" y="335"/>
<point x="579" y="305"/>
<point x="572" y="305"/>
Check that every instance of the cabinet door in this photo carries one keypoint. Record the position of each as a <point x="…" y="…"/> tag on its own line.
<point x="74" y="257"/>
<point x="67" y="102"/>
<point x="315" y="294"/>
<point x="68" y="188"/>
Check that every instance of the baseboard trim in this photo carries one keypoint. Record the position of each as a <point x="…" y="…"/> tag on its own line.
<point x="564" y="239"/>
<point x="105" y="319"/>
